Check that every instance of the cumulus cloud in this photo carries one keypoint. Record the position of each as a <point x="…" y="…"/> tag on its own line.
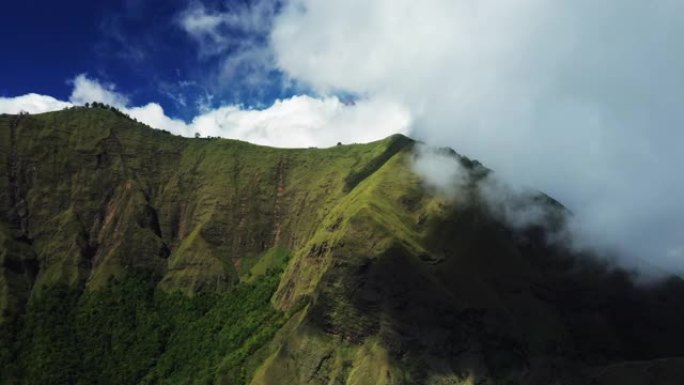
<point x="31" y="103"/>
<point x="300" y="121"/>
<point x="154" y="116"/>
<point x="303" y="121"/>
<point x="85" y="90"/>
<point x="579" y="99"/>
<point x="89" y="90"/>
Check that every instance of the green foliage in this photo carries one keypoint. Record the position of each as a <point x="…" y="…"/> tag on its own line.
<point x="397" y="144"/>
<point x="274" y="257"/>
<point x="216" y="345"/>
<point x="104" y="197"/>
<point x="119" y="332"/>
<point x="198" y="211"/>
<point x="48" y="349"/>
<point x="130" y="333"/>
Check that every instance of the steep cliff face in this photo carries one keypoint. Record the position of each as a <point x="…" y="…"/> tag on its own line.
<point x="384" y="281"/>
<point x="404" y="286"/>
<point x="94" y="195"/>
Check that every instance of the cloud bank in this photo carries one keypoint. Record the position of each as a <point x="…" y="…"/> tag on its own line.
<point x="33" y="103"/>
<point x="300" y="121"/>
<point x="579" y="99"/>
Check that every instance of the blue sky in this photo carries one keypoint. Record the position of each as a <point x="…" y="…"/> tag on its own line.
<point x="140" y="46"/>
<point x="580" y="99"/>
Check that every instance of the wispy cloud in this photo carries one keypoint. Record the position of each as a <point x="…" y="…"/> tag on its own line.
<point x="235" y="36"/>
<point x="237" y="25"/>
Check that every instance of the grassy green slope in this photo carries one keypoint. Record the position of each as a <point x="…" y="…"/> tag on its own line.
<point x="97" y="194"/>
<point x="133" y="256"/>
<point x="89" y="196"/>
<point x="407" y="287"/>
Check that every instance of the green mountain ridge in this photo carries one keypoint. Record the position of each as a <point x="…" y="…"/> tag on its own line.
<point x="129" y="255"/>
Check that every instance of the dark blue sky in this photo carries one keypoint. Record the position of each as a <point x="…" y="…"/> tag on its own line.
<point x="137" y="45"/>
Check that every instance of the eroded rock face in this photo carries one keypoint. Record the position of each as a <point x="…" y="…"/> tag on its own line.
<point x="96" y="194"/>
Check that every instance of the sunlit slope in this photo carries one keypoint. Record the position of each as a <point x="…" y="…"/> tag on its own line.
<point x="96" y="194"/>
<point x="404" y="286"/>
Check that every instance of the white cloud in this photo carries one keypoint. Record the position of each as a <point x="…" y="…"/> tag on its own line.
<point x="88" y="90"/>
<point x="441" y="171"/>
<point x="444" y="172"/>
<point x="199" y="23"/>
<point x="154" y="116"/>
<point x="85" y="90"/>
<point x="300" y="121"/>
<point x="303" y="121"/>
<point x="217" y="31"/>
<point x="31" y="103"/>
<point x="232" y="42"/>
<point x="579" y="99"/>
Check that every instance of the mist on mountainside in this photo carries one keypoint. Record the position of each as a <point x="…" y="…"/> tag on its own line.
<point x="577" y="99"/>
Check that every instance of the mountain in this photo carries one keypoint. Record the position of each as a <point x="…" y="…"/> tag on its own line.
<point x="132" y="256"/>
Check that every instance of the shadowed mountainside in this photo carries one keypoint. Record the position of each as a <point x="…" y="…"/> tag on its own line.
<point x="129" y="255"/>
